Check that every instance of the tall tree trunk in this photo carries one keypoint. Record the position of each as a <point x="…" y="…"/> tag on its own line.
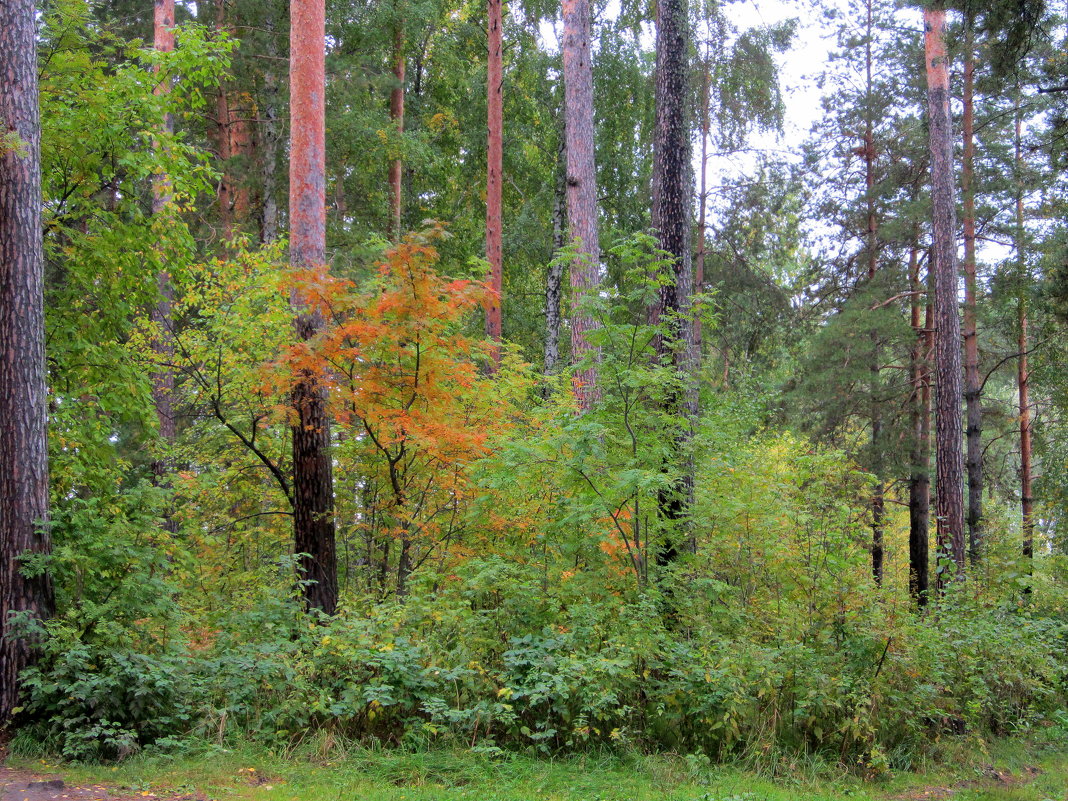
<point x="972" y="389"/>
<point x="222" y="132"/>
<point x="396" y="115"/>
<point x="878" y="501"/>
<point x="270" y="137"/>
<point x="494" y="167"/>
<point x="920" y="419"/>
<point x="702" y="198"/>
<point x="313" y="503"/>
<point x="555" y="272"/>
<point x="163" y="344"/>
<point x="581" y="187"/>
<point x="672" y="197"/>
<point x="23" y="396"/>
<point x="949" y="458"/>
<point x="1022" y="371"/>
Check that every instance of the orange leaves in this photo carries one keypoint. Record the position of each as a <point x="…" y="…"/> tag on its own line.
<point x="405" y="385"/>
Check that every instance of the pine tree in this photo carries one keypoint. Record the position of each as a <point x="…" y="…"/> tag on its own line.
<point x="313" y="502"/>
<point x="23" y="399"/>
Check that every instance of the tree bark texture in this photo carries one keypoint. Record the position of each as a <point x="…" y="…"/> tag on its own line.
<point x="555" y="273"/>
<point x="581" y="186"/>
<point x="396" y="115"/>
<point x="494" y="167"/>
<point x="920" y="419"/>
<point x="949" y="458"/>
<point x="671" y="170"/>
<point x="313" y="509"/>
<point x="234" y="140"/>
<point x="269" y="139"/>
<point x="672" y="195"/>
<point x="163" y="344"/>
<point x="23" y="393"/>
<point x="972" y="386"/>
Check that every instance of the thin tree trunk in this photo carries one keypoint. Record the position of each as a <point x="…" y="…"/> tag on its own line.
<point x="23" y="395"/>
<point x="313" y="503"/>
<point x="163" y="343"/>
<point x="702" y="197"/>
<point x="1022" y="371"/>
<point x="270" y="139"/>
<point x="494" y="168"/>
<point x="878" y="501"/>
<point x="949" y="458"/>
<point x="672" y="195"/>
<point x="581" y="187"/>
<point x="555" y="273"/>
<point x="920" y="419"/>
<point x="972" y="389"/>
<point x="222" y="131"/>
<point x="396" y="115"/>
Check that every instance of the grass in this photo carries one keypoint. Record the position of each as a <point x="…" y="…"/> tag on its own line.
<point x="335" y="773"/>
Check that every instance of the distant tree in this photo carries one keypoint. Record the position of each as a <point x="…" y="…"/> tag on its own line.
<point x="494" y="167"/>
<point x="163" y="378"/>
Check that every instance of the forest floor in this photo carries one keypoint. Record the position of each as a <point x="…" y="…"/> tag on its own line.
<point x="1009" y="771"/>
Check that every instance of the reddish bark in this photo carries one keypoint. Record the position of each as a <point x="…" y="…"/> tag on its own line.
<point x="494" y="167"/>
<point x="949" y="459"/>
<point x="23" y="395"/>
<point x="313" y="507"/>
<point x="581" y="187"/>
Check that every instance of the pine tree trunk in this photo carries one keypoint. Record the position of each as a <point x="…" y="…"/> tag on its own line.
<point x="1022" y="372"/>
<point x="313" y="504"/>
<point x="949" y="458"/>
<point x="581" y="186"/>
<point x="878" y="501"/>
<point x="494" y="168"/>
<point x="23" y="396"/>
<point x="920" y="419"/>
<point x="972" y="390"/>
<point x="396" y="115"/>
<point x="270" y="139"/>
<point x="555" y="272"/>
<point x="702" y="197"/>
<point x="222" y="133"/>
<point x="672" y="195"/>
<point x="163" y="344"/>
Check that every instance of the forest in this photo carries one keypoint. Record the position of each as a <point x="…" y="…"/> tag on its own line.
<point x="672" y="387"/>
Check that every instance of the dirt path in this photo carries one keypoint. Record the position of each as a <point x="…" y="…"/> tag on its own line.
<point x="18" y="785"/>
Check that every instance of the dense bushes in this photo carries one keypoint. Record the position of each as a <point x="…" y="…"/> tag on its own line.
<point x="434" y="670"/>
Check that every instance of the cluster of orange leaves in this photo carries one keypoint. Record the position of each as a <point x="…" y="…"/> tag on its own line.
<point x="405" y="385"/>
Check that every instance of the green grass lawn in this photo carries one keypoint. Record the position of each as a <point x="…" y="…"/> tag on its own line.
<point x="1028" y="774"/>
